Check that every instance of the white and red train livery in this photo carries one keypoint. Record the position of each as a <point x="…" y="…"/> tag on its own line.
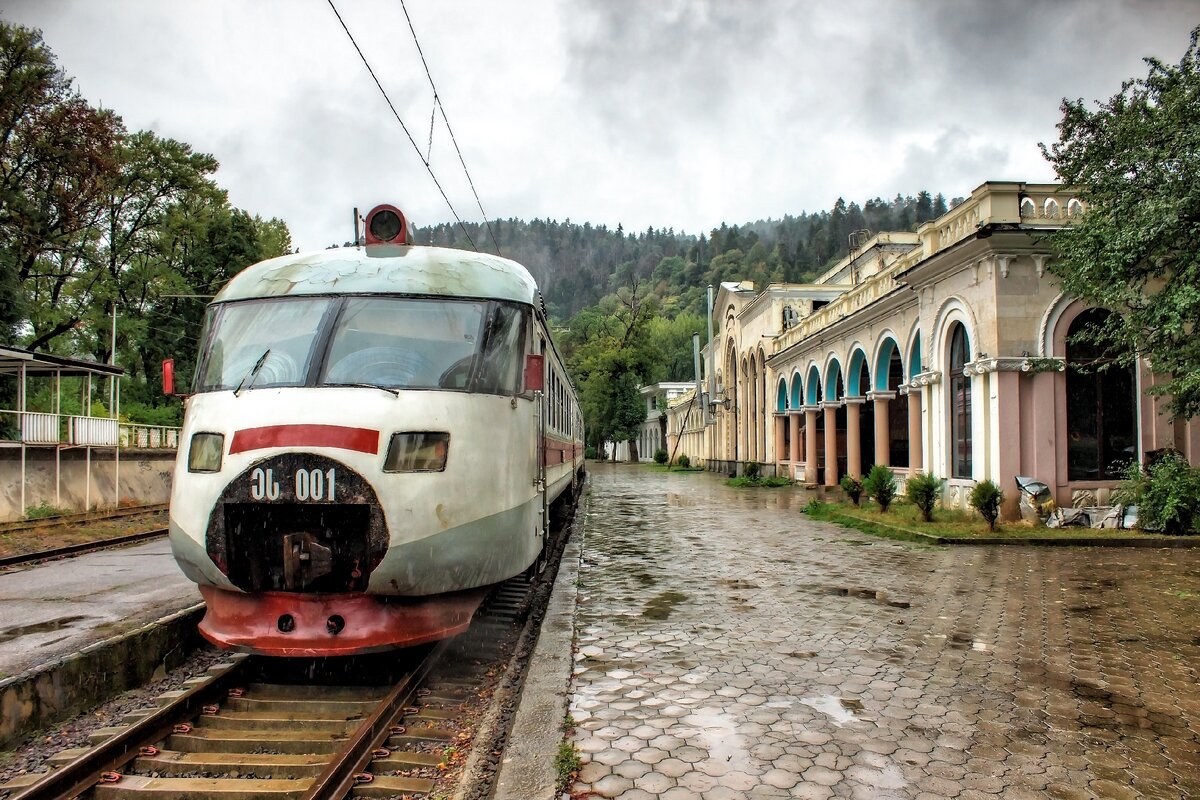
<point x="375" y="435"/>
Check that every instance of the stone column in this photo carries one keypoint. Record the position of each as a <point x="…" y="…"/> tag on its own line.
<point x="781" y="453"/>
<point x="883" y="431"/>
<point x="915" y="459"/>
<point x="853" y="437"/>
<point x="793" y="420"/>
<point x="810" y="444"/>
<point x="831" y="443"/>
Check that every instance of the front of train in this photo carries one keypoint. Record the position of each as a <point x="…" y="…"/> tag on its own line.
<point x="357" y="458"/>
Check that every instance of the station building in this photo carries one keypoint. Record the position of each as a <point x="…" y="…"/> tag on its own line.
<point x="945" y="350"/>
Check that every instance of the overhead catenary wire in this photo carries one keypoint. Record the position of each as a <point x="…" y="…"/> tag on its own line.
<point x="437" y="102"/>
<point x="407" y="133"/>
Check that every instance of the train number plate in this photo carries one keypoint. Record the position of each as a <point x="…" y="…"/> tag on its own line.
<point x="302" y="485"/>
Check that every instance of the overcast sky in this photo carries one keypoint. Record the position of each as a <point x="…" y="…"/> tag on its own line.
<point x="664" y="113"/>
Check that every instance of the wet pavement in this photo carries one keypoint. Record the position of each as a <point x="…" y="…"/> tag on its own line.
<point x="729" y="647"/>
<point x="52" y="609"/>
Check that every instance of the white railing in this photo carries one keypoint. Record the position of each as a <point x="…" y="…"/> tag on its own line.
<point x="40" y="428"/>
<point x="94" y="431"/>
<point x="150" y="436"/>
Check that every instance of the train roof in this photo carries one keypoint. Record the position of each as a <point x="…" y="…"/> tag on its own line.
<point x="385" y="269"/>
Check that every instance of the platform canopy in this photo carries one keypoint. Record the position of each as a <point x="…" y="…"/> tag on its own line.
<point x="12" y="359"/>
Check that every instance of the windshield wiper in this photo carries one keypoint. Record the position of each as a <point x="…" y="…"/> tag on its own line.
<point x="253" y="373"/>
<point x="366" y="386"/>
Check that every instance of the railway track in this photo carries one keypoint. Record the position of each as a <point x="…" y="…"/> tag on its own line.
<point x="235" y="734"/>
<point x="80" y="547"/>
<point x="76" y="519"/>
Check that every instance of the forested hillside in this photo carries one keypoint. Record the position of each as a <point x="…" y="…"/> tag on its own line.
<point x="578" y="264"/>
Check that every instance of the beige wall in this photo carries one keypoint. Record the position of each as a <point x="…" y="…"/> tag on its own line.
<point x="145" y="478"/>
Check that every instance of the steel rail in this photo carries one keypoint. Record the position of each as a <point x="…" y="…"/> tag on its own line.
<point x="60" y="520"/>
<point x="80" y="547"/>
<point x="338" y="778"/>
<point x="76" y="777"/>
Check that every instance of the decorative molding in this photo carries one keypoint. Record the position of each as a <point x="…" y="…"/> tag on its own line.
<point x="927" y="378"/>
<point x="1004" y="262"/>
<point x="1039" y="262"/>
<point x="827" y="404"/>
<point x="811" y="409"/>
<point x="854" y="401"/>
<point x="985" y="364"/>
<point x="879" y="395"/>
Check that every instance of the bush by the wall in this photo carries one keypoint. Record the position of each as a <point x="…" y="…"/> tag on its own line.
<point x="852" y="487"/>
<point x="683" y="460"/>
<point x="923" y="491"/>
<point x="589" y="452"/>
<point x="752" y="469"/>
<point x="986" y="498"/>
<point x="1170" y="500"/>
<point x="661" y="455"/>
<point x="881" y="485"/>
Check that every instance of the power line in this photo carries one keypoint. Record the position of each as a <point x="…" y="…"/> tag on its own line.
<point x="396" y="114"/>
<point x="437" y="102"/>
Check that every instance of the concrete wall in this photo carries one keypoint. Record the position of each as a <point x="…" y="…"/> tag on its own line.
<point x="145" y="478"/>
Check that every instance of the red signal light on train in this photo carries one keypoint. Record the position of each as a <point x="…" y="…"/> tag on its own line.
<point x="386" y="224"/>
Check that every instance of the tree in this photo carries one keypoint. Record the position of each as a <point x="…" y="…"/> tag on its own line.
<point x="1135" y="161"/>
<point x="57" y="160"/>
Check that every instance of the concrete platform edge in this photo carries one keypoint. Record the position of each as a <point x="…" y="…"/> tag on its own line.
<point x="52" y="692"/>
<point x="527" y="771"/>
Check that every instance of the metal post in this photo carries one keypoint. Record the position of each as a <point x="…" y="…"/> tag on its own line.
<point x="112" y="359"/>
<point x="356" y="226"/>
<point x="710" y="414"/>
<point x="117" y="449"/>
<point x="699" y="386"/>
<point x="21" y="431"/>
<point x="57" y="434"/>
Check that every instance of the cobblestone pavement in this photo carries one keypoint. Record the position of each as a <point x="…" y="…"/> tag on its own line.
<point x="729" y="647"/>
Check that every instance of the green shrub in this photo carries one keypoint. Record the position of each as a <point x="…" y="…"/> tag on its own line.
<point x="752" y="469"/>
<point x="923" y="491"/>
<point x="590" y="452"/>
<point x="566" y="764"/>
<point x="683" y="460"/>
<point x="1170" y="501"/>
<point x="852" y="487"/>
<point x="661" y="455"/>
<point x="1132" y="489"/>
<point x="986" y="498"/>
<point x="44" y="510"/>
<point x="814" y="507"/>
<point x="881" y="484"/>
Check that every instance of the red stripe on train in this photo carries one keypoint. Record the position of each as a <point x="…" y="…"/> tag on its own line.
<point x="364" y="440"/>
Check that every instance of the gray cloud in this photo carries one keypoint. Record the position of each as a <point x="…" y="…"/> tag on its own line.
<point x="675" y="113"/>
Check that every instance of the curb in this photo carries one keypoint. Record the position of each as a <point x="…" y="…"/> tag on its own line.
<point x="54" y="691"/>
<point x="527" y="770"/>
<point x="848" y="521"/>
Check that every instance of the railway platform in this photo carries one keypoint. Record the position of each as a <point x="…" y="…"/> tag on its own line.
<point x="726" y="646"/>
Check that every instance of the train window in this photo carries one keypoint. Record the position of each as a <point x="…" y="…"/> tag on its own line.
<point x="403" y="343"/>
<point x="500" y="358"/>
<point x="260" y="343"/>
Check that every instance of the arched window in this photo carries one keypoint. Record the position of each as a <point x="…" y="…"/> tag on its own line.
<point x="960" y="403"/>
<point x="1101" y="403"/>
<point x="897" y="414"/>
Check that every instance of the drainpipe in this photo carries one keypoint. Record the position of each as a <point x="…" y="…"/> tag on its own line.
<point x="709" y="414"/>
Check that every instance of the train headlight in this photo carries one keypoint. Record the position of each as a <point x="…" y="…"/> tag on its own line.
<point x="204" y="454"/>
<point x="422" y="451"/>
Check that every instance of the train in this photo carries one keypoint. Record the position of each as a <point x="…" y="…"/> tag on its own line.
<point x="375" y="434"/>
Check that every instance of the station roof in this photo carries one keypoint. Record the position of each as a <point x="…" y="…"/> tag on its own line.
<point x="13" y="358"/>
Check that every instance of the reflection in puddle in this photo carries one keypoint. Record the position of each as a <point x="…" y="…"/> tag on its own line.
<point x="9" y="634"/>
<point x="660" y="606"/>
<point x="839" y="709"/>
<point x="719" y="735"/>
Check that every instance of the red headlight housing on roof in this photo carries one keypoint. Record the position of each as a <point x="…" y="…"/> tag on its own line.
<point x="387" y="224"/>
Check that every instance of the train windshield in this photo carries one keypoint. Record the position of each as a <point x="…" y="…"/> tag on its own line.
<point x="388" y="342"/>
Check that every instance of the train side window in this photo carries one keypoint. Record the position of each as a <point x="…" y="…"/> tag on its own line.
<point x="500" y="363"/>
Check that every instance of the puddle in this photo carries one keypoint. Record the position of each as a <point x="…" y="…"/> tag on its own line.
<point x="660" y="607"/>
<point x="719" y="735"/>
<point x="840" y="710"/>
<point x="9" y="634"/>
